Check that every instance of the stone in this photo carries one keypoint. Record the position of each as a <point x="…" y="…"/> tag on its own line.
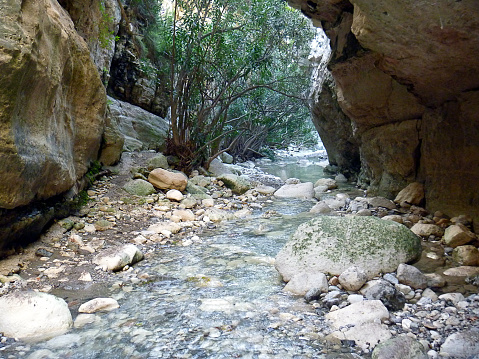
<point x="265" y="190"/>
<point x="320" y="208"/>
<point x="386" y="293"/>
<point x="353" y="278"/>
<point x="238" y="184"/>
<point x="458" y="235"/>
<point x="467" y="255"/>
<point x="328" y="182"/>
<point x="165" y="226"/>
<point x="139" y="187"/>
<point x="455" y="298"/>
<point x="217" y="168"/>
<point x="393" y="217"/>
<point x="195" y="189"/>
<point x="435" y="280"/>
<point x="299" y="190"/>
<point x="382" y="202"/>
<point x="164" y="179"/>
<point x="301" y="283"/>
<point x="99" y="305"/>
<point x="184" y="214"/>
<point x="340" y="178"/>
<point x="364" y="335"/>
<point x="401" y="347"/>
<point x="140" y="129"/>
<point x="159" y="161"/>
<point x="426" y="230"/>
<point x="413" y="193"/>
<point x="333" y="244"/>
<point x="411" y="276"/>
<point x="462" y="271"/>
<point x="464" y="344"/>
<point x="174" y="195"/>
<point x="226" y="158"/>
<point x="33" y="316"/>
<point x="116" y="258"/>
<point x="355" y="314"/>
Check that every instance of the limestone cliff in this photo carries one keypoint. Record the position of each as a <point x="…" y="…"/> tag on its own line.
<point x="406" y="75"/>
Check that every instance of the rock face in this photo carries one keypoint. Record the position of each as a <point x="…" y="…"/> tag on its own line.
<point x="333" y="244"/>
<point x="34" y="316"/>
<point x="404" y="96"/>
<point x="52" y="103"/>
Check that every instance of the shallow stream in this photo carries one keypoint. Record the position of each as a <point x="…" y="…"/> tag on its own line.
<point x="218" y="298"/>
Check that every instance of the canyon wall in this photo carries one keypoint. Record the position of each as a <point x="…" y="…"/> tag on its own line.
<point x="404" y="95"/>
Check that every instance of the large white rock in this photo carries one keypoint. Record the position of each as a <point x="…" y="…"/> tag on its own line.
<point x="33" y="316"/>
<point x="301" y="283"/>
<point x="461" y="345"/>
<point x="367" y="311"/>
<point x="333" y="244"/>
<point x="298" y="190"/>
<point x="116" y="258"/>
<point x="366" y="334"/>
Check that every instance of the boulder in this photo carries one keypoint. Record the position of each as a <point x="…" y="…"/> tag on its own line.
<point x="413" y="193"/>
<point x="99" y="304"/>
<point x="139" y="187"/>
<point x="402" y="347"/>
<point x="382" y="202"/>
<point x="411" y="276"/>
<point x="458" y="235"/>
<point x="327" y="182"/>
<point x="159" y="161"/>
<point x="116" y="258"/>
<point x="237" y="184"/>
<point x="33" y="316"/>
<point x="364" y="335"/>
<point x="367" y="311"/>
<point x="140" y="129"/>
<point x="320" y="208"/>
<point x="466" y="255"/>
<point x="333" y="244"/>
<point x="302" y="283"/>
<point x="226" y="158"/>
<point x="464" y="344"/>
<point x="426" y="230"/>
<point x="385" y="292"/>
<point x="217" y="168"/>
<point x="353" y="278"/>
<point x="164" y="179"/>
<point x="299" y="190"/>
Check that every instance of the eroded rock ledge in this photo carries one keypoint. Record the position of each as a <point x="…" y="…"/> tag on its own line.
<point x="406" y="74"/>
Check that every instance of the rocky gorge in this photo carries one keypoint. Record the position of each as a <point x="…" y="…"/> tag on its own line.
<point x="396" y="106"/>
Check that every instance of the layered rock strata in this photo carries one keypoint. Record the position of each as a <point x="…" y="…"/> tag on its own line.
<point x="406" y="76"/>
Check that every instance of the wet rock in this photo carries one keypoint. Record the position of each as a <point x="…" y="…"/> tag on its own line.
<point x="333" y="244"/>
<point x="116" y="258"/>
<point x="463" y="344"/>
<point x="237" y="184"/>
<point x="382" y="202"/>
<point x="332" y="298"/>
<point x="299" y="190"/>
<point x="386" y="293"/>
<point x="327" y="182"/>
<point x="33" y="316"/>
<point x="42" y="252"/>
<point x="301" y="283"/>
<point x="402" y="347"/>
<point x="163" y="179"/>
<point x="159" y="161"/>
<point x="467" y="255"/>
<point x="353" y="278"/>
<point x="426" y="230"/>
<point x="313" y="294"/>
<point x="411" y="276"/>
<point x="412" y="194"/>
<point x="174" y="195"/>
<point x="99" y="304"/>
<point x="340" y="178"/>
<point x="320" y="208"/>
<point x="458" y="235"/>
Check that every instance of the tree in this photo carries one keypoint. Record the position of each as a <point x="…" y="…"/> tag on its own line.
<point x="227" y="58"/>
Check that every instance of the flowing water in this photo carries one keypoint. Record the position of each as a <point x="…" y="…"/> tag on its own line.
<point x="219" y="298"/>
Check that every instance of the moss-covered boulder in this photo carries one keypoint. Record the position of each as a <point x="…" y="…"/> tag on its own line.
<point x="238" y="184"/>
<point x="139" y="187"/>
<point x="333" y="244"/>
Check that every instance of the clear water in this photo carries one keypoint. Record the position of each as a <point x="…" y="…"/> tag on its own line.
<point x="219" y="298"/>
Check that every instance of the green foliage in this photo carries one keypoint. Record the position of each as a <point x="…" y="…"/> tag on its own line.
<point x="106" y="36"/>
<point x="95" y="168"/>
<point x="236" y="76"/>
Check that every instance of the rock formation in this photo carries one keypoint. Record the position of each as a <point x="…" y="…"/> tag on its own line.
<point x="406" y="76"/>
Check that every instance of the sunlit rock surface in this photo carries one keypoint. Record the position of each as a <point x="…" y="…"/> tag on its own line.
<point x="406" y="76"/>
